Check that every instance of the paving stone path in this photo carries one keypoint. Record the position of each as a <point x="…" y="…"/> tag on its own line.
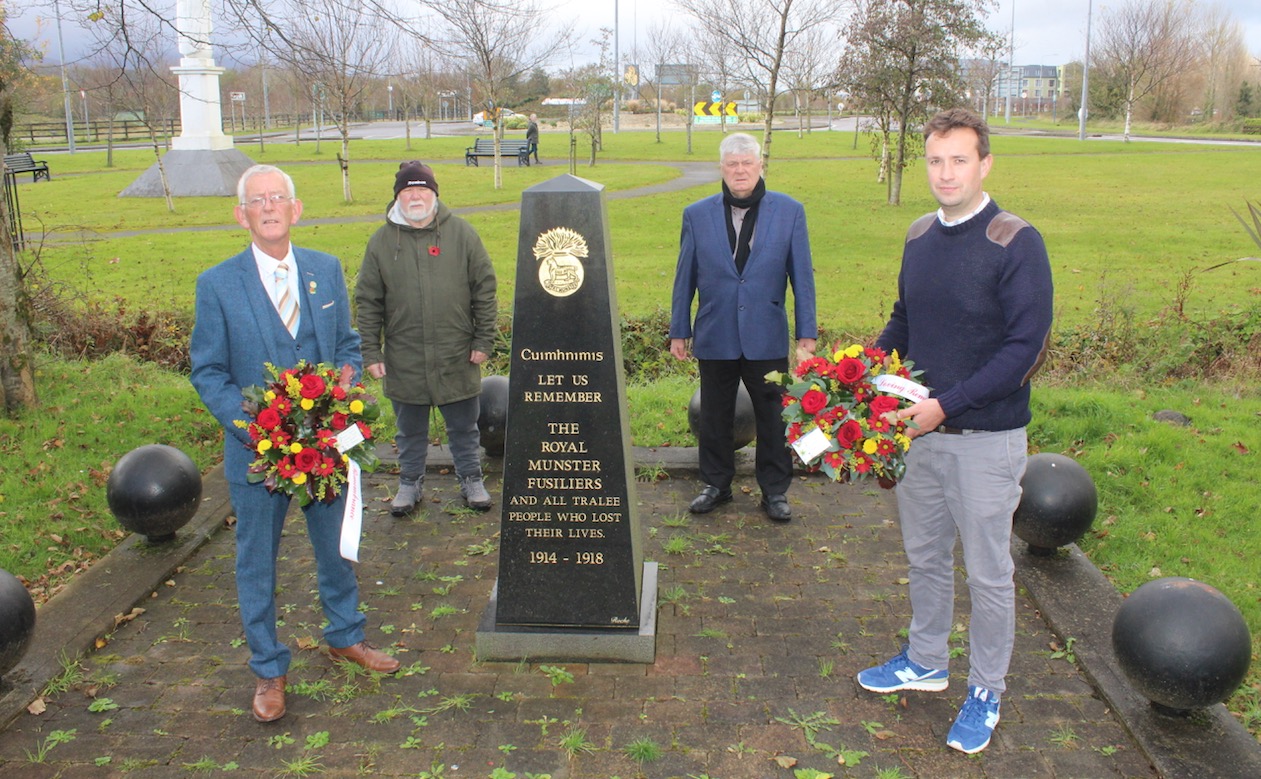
<point x="761" y="629"/>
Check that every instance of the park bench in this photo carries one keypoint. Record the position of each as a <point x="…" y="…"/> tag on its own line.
<point x="23" y="162"/>
<point x="485" y="147"/>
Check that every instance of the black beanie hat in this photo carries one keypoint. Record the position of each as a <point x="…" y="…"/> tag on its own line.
<point x="414" y="174"/>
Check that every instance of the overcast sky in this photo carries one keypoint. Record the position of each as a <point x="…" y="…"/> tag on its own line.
<point x="1047" y="32"/>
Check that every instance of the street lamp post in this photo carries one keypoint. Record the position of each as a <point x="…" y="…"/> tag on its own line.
<point x="87" y="125"/>
<point x="390" y="89"/>
<point x="1024" y="103"/>
<point x="1011" y="60"/>
<point x="65" y="84"/>
<point x="617" y="72"/>
<point x="1085" y="78"/>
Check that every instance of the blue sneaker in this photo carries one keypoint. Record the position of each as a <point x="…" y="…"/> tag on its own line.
<point x="900" y="673"/>
<point x="975" y="723"/>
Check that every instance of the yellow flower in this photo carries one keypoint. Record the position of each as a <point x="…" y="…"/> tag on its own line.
<point x="307" y="404"/>
<point x="263" y="445"/>
<point x="295" y="447"/>
<point x="869" y="446"/>
<point x="293" y="387"/>
<point x="269" y="396"/>
<point x="853" y="350"/>
<point x="902" y="441"/>
<point x="356" y="406"/>
<point x="895" y="362"/>
<point x="299" y="478"/>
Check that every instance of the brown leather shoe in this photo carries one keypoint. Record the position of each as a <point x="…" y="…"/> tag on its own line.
<point x="363" y="654"/>
<point x="269" y="699"/>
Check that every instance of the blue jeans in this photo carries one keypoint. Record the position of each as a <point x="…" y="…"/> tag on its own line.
<point x="412" y="438"/>
<point x="260" y="516"/>
<point x="963" y="486"/>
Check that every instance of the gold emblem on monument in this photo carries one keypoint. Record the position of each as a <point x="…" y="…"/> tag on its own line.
<point x="559" y="252"/>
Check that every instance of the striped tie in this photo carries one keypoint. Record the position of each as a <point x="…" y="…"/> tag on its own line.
<point x="286" y="306"/>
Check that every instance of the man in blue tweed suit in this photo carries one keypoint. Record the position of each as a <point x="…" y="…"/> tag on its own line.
<point x="738" y="253"/>
<point x="239" y="327"/>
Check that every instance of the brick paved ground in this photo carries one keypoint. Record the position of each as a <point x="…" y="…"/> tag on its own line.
<point x="761" y="629"/>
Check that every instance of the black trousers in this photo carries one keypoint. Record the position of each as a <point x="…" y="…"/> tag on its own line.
<point x="720" y="380"/>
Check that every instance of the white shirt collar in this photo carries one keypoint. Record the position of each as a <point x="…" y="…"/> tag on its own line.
<point x="941" y="215"/>
<point x="267" y="271"/>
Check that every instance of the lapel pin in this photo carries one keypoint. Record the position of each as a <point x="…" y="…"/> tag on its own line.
<point x="312" y="288"/>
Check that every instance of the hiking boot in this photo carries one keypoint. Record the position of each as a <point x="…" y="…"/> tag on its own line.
<point x="901" y="673"/>
<point x="474" y="492"/>
<point x="407" y="497"/>
<point x="975" y="724"/>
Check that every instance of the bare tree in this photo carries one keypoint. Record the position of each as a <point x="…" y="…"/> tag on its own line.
<point x="982" y="70"/>
<point x="1145" y="44"/>
<point x="1226" y="62"/>
<point x="902" y="62"/>
<point x="499" y="41"/>
<point x="135" y="46"/>
<point x="762" y="31"/>
<point x="808" y="72"/>
<point x="664" y="46"/>
<point x="340" y="47"/>
<point x="593" y="85"/>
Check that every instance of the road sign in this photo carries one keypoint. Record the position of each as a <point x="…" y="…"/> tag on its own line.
<point x="631" y="76"/>
<point x="714" y="109"/>
<point x="716" y="96"/>
<point x="237" y="97"/>
<point x="674" y="74"/>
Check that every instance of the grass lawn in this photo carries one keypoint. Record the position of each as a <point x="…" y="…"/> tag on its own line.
<point x="1131" y="229"/>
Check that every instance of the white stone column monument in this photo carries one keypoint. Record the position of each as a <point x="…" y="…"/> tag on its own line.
<point x="202" y="160"/>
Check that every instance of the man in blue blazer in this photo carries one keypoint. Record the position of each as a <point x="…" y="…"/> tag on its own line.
<point x="239" y="327"/>
<point x="738" y="252"/>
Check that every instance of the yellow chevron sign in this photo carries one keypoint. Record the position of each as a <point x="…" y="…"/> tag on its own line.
<point x="706" y="108"/>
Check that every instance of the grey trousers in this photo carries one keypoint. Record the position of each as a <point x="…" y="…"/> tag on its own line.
<point x="412" y="437"/>
<point x="963" y="486"/>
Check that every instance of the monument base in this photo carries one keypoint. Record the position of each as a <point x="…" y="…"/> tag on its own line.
<point x="573" y="645"/>
<point x="193" y="173"/>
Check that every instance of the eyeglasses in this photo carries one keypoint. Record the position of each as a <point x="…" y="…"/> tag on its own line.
<point x="275" y="200"/>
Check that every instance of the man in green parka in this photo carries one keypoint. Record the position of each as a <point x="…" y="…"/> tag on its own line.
<point x="427" y="308"/>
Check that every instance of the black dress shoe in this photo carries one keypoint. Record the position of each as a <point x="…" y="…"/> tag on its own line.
<point x="709" y="499"/>
<point x="776" y="507"/>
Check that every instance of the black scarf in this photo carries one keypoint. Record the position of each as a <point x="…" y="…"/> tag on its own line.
<point x="740" y="244"/>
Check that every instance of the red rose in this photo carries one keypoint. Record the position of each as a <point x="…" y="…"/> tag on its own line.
<point x="813" y="401"/>
<point x="849" y="433"/>
<point x="339" y="392"/>
<point x="850" y="370"/>
<point x="882" y="405"/>
<point x="339" y="420"/>
<point x="268" y="419"/>
<point x="312" y="386"/>
<point x="307" y="459"/>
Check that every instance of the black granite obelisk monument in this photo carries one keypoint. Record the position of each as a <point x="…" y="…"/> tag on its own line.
<point x="572" y="582"/>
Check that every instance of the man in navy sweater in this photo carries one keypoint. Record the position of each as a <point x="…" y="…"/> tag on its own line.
<point x="974" y="312"/>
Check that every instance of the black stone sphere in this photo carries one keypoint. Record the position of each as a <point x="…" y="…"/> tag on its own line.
<point x="743" y="430"/>
<point x="1181" y="643"/>
<point x="154" y="490"/>
<point x="17" y="621"/>
<point x="1057" y="504"/>
<point x="492" y="420"/>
